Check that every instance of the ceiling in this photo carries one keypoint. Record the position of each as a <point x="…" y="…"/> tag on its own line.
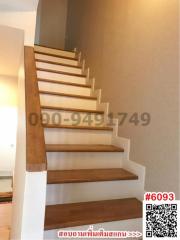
<point x="18" y="5"/>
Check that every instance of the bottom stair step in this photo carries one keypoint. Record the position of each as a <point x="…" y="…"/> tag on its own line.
<point x="78" y="214"/>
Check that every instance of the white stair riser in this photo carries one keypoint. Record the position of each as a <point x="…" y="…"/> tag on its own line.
<point x="69" y="161"/>
<point x="54" y="51"/>
<point x="58" y="101"/>
<point x="133" y="225"/>
<point x="61" y="88"/>
<point x="56" y="59"/>
<point x="138" y="170"/>
<point x="72" y="118"/>
<point x="58" y="68"/>
<point x="61" y="77"/>
<point x="76" y="136"/>
<point x="90" y="191"/>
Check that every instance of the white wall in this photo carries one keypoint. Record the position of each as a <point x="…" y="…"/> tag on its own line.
<point x="10" y="55"/>
<point x="20" y="14"/>
<point x="9" y="65"/>
<point x="17" y="27"/>
<point x="18" y="5"/>
<point x="25" y="21"/>
<point x="28" y="211"/>
<point x="8" y="123"/>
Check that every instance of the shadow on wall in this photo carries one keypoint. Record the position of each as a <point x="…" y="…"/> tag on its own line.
<point x="51" y="23"/>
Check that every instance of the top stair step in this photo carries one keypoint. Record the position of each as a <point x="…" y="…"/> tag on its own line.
<point x="54" y="55"/>
<point x="56" y="63"/>
<point x="88" y="213"/>
<point x="55" y="52"/>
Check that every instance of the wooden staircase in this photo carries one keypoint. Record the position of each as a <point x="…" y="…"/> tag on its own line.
<point x="90" y="179"/>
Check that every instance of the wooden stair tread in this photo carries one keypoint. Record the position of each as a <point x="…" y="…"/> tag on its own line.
<point x="64" y="83"/>
<point x="82" y="148"/>
<point x="67" y="95"/>
<point x="44" y="46"/>
<point x="56" y="63"/>
<point x="55" y="55"/>
<point x="62" y="126"/>
<point x="61" y="72"/>
<point x="6" y="194"/>
<point x="72" y="109"/>
<point x="6" y="197"/>
<point x="88" y="213"/>
<point x="89" y="175"/>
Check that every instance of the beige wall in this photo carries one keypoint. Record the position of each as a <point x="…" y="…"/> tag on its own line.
<point x="51" y="23"/>
<point x="132" y="49"/>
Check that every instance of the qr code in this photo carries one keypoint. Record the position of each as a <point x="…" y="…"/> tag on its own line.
<point x="161" y="220"/>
